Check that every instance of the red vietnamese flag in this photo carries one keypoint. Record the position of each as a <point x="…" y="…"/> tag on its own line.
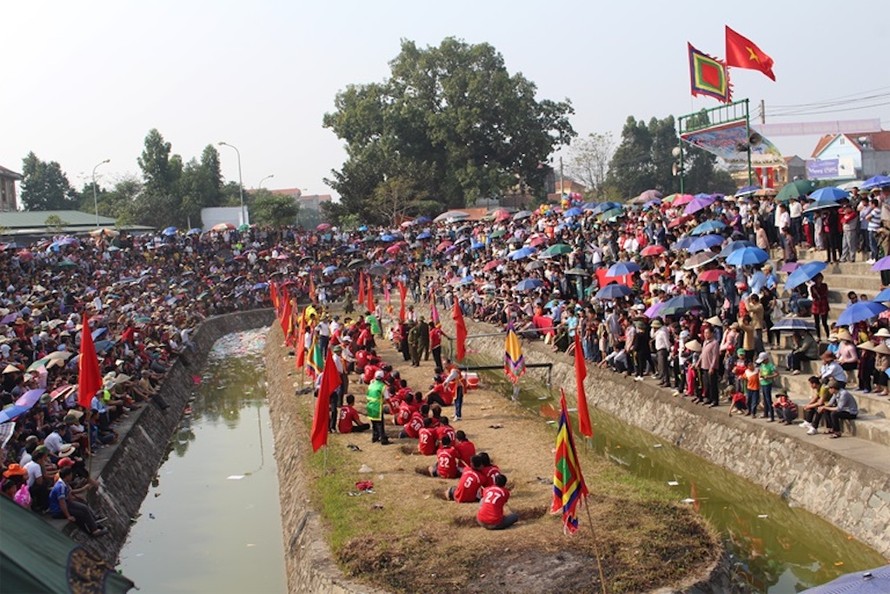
<point x="285" y="315"/>
<point x="580" y="374"/>
<point x="460" y="330"/>
<point x="301" y="342"/>
<point x="371" y="305"/>
<point x="403" y="292"/>
<point x="741" y="52"/>
<point x="361" y="288"/>
<point x="89" y="380"/>
<point x="273" y="295"/>
<point x="311" y="290"/>
<point x="330" y="381"/>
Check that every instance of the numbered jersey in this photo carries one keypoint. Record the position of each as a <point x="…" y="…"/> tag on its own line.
<point x="446" y="463"/>
<point x="493" y="501"/>
<point x="469" y="487"/>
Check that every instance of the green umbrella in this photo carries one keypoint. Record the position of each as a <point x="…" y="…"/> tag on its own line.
<point x="243" y="227"/>
<point x="39" y="363"/>
<point x="611" y="214"/>
<point x="498" y="233"/>
<point x="796" y="189"/>
<point x="66" y="264"/>
<point x="557" y="249"/>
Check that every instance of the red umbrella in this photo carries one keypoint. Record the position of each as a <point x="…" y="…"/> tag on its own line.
<point x="323" y="227"/>
<point x="683" y="199"/>
<point x="537" y="241"/>
<point x="24" y="255"/>
<point x="443" y="245"/>
<point x="652" y="250"/>
<point x="393" y="249"/>
<point x="492" y="265"/>
<point x="712" y="276"/>
<point x="679" y="221"/>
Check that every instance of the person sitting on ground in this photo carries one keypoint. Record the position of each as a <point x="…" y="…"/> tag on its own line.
<point x="426" y="438"/>
<point x="15" y="485"/>
<point x="447" y="462"/>
<point x="466" y="449"/>
<point x="820" y="396"/>
<point x="491" y="512"/>
<point x="63" y="504"/>
<point x="841" y="406"/>
<point x="415" y="423"/>
<point x="469" y="484"/>
<point x="805" y="349"/>
<point x="350" y="421"/>
<point x="487" y="469"/>
<point x="832" y="370"/>
<point x="786" y="409"/>
<point x="444" y="429"/>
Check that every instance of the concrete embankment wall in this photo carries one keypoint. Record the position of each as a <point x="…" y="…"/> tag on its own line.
<point x="126" y="475"/>
<point x="847" y="493"/>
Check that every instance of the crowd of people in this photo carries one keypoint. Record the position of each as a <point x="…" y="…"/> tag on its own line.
<point x="675" y="288"/>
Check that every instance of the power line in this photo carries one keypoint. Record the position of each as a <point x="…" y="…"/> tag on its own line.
<point x="819" y="103"/>
<point x="818" y="112"/>
<point x="789" y="111"/>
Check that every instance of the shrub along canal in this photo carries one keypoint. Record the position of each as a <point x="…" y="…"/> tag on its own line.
<point x="211" y="520"/>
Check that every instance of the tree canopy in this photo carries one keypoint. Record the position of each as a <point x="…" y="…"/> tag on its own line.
<point x="450" y="124"/>
<point x="45" y="186"/>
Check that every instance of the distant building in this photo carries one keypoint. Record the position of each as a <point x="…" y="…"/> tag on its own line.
<point x="565" y="187"/>
<point x="850" y="156"/>
<point x="773" y="177"/>
<point x="33" y="223"/>
<point x="307" y="202"/>
<point x="7" y="189"/>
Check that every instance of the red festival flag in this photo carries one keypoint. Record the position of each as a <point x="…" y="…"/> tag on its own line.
<point x="741" y="52"/>
<point x="569" y="488"/>
<point x="273" y="295"/>
<point x="286" y="312"/>
<point x="584" y="425"/>
<point x="361" y="288"/>
<point x="460" y="330"/>
<point x="371" y="305"/>
<point x="301" y="343"/>
<point x="403" y="292"/>
<point x="89" y="380"/>
<point x="311" y="289"/>
<point x="330" y="381"/>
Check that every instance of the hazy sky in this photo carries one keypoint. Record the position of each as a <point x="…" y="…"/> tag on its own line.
<point x="84" y="81"/>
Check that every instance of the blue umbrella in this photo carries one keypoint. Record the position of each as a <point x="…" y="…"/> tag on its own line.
<point x="747" y="256"/>
<point x="573" y="212"/>
<point x="11" y="412"/>
<point x="709" y="227"/>
<point x="878" y="181"/>
<point x="794" y="325"/>
<point x="467" y="280"/>
<point x="422" y="219"/>
<point x="735" y="245"/>
<point x="652" y="203"/>
<point x="521" y="253"/>
<point x="860" y="311"/>
<point x="529" y="284"/>
<point x="874" y="581"/>
<point x="613" y="291"/>
<point x="98" y="332"/>
<point x="683" y="243"/>
<point x="361" y="228"/>
<point x="589" y="205"/>
<point x="103" y="345"/>
<point x="477" y="245"/>
<point x="833" y="194"/>
<point x="193" y="231"/>
<point x="30" y="398"/>
<point x="424" y="235"/>
<point x="883" y="296"/>
<point x="259" y="286"/>
<point x="622" y="269"/>
<point x="342" y="281"/>
<point x="329" y="269"/>
<point x="705" y="242"/>
<point x="169" y="231"/>
<point x="387" y="237"/>
<point x="603" y="207"/>
<point x="680" y="304"/>
<point x="747" y="190"/>
<point x="803" y="273"/>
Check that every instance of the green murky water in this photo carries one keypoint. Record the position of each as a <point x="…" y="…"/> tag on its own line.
<point x="211" y="521"/>
<point x="775" y="548"/>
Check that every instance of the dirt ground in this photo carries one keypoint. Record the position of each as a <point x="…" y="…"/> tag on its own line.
<point x="405" y="537"/>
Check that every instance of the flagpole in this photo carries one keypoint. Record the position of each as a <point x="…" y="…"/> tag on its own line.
<point x="596" y="550"/>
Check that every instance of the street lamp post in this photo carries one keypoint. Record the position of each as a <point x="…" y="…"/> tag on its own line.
<point x="95" y="197"/>
<point x="240" y="181"/>
<point x="260" y="185"/>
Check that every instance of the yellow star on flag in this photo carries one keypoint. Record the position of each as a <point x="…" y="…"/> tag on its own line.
<point x="752" y="55"/>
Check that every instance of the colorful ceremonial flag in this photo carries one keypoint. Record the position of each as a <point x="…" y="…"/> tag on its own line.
<point x="285" y="314"/>
<point x="301" y="344"/>
<point x="460" y="328"/>
<point x="314" y="362"/>
<point x="273" y="295"/>
<point x="89" y="380"/>
<point x="708" y="76"/>
<point x="514" y="360"/>
<point x="290" y="331"/>
<point x="403" y="292"/>
<point x="741" y="52"/>
<point x="569" y="488"/>
<point x="311" y="290"/>
<point x="434" y="311"/>
<point x="584" y="425"/>
<point x="330" y="381"/>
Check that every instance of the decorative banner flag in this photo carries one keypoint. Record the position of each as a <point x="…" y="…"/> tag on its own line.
<point x="330" y="381"/>
<point x="290" y="334"/>
<point x="741" y="52"/>
<point x="569" y="488"/>
<point x="434" y="311"/>
<point x="371" y="305"/>
<point x="460" y="330"/>
<point x="314" y="362"/>
<point x="89" y="381"/>
<point x="403" y="292"/>
<point x="273" y="295"/>
<point x="514" y="360"/>
<point x="584" y="425"/>
<point x="285" y="315"/>
<point x="361" y="287"/>
<point x="301" y="344"/>
<point x="708" y="76"/>
<point x="311" y="290"/>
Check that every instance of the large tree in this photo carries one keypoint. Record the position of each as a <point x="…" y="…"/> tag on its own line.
<point x="159" y="203"/>
<point x="450" y="120"/>
<point x="589" y="160"/>
<point x="270" y="209"/>
<point x="45" y="186"/>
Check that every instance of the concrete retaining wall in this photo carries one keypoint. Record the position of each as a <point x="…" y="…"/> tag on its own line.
<point x="850" y="495"/>
<point x="126" y="474"/>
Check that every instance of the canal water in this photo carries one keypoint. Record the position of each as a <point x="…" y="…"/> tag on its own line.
<point x="775" y="548"/>
<point x="211" y="520"/>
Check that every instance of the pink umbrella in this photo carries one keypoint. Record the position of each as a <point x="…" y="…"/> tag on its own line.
<point x="24" y="255"/>
<point x="683" y="199"/>
<point x="393" y="249"/>
<point x="652" y="250"/>
<point x="653" y="310"/>
<point x="789" y="267"/>
<point x="323" y="227"/>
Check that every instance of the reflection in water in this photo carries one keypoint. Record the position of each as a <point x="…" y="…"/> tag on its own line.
<point x="774" y="547"/>
<point x="211" y="521"/>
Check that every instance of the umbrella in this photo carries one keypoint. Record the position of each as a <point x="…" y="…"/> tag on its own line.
<point x="322" y="226"/>
<point x="712" y="276"/>
<point x="38" y="364"/>
<point x="874" y="581"/>
<point x="443" y="245"/>
<point x="98" y="332"/>
<point x="169" y="231"/>
<point x="654" y="310"/>
<point x="699" y="202"/>
<point x="796" y="189"/>
<point x="424" y="235"/>
<point x="735" y="245"/>
<point x="534" y="265"/>
<point x="377" y="270"/>
<point x="708" y="227"/>
<point x="355" y="262"/>
<point x="193" y="231"/>
<point x="387" y="237"/>
<point x="705" y="242"/>
<point x="679" y="221"/>
<point x="651" y="204"/>
<point x="860" y="311"/>
<point x="803" y="273"/>
<point x="683" y="243"/>
<point x="467" y="280"/>
<point x="747" y="256"/>
<point x="622" y="269"/>
<point x="577" y="272"/>
<point x="393" y="249"/>
<point x="683" y="199"/>
<point x="342" y="281"/>
<point x="557" y="249"/>
<point x="30" y="398"/>
<point x="613" y="291"/>
<point x="11" y="412"/>
<point x="747" y="190"/>
<point x="789" y="267"/>
<point x="833" y="194"/>
<point x="492" y="265"/>
<point x="498" y="233"/>
<point x="522" y="214"/>
<point x="104" y="231"/>
<point x="521" y="253"/>
<point x="328" y="270"/>
<point x="882" y="264"/>
<point x="223" y="227"/>
<point x="611" y="214"/>
<point x="477" y="245"/>
<point x="794" y="325"/>
<point x="572" y="212"/>
<point x="59" y="355"/>
<point x="680" y="304"/>
<point x="452" y="215"/>
<point x="103" y="345"/>
<point x="259" y="286"/>
<point x="529" y="284"/>
<point x="882" y="296"/>
<point x="878" y="181"/>
<point x="63" y="392"/>
<point x="605" y="206"/>
<point x="652" y="250"/>
<point x="699" y="259"/>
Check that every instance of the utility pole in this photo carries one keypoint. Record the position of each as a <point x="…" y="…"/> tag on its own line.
<point x="561" y="180"/>
<point x="762" y="112"/>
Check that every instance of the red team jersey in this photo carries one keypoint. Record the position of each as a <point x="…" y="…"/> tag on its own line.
<point x="492" y="509"/>
<point x="488" y="473"/>
<point x="465" y="451"/>
<point x="443" y="430"/>
<point x="427" y="441"/>
<point x="346" y="418"/>
<point x="469" y="487"/>
<point x="446" y="463"/>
